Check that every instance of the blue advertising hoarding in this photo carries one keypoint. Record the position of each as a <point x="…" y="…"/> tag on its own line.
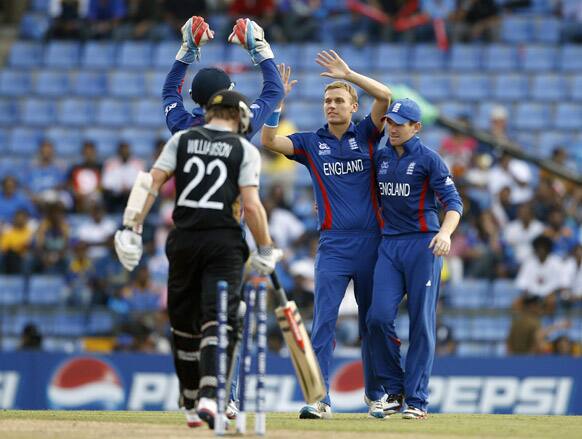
<point x="520" y="385"/>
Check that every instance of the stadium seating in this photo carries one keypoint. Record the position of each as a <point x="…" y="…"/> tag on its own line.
<point x="89" y="83"/>
<point x="67" y="141"/>
<point x="132" y="54"/>
<point x="531" y="116"/>
<point x="510" y="87"/>
<point x="37" y="112"/>
<point x="13" y="290"/>
<point x="52" y="83"/>
<point x="472" y="87"/>
<point x="465" y="58"/>
<point x="62" y="54"/>
<point x="568" y="116"/>
<point x="46" y="289"/>
<point x="500" y="58"/>
<point x="392" y="57"/>
<point x="470" y="293"/>
<point x="515" y="29"/>
<point x="126" y="84"/>
<point x="75" y="112"/>
<point x="571" y="58"/>
<point x="8" y="114"/>
<point x="428" y="58"/>
<point x="25" y="54"/>
<point x="15" y="83"/>
<point x="98" y="55"/>
<point x="548" y="87"/>
<point x="112" y="112"/>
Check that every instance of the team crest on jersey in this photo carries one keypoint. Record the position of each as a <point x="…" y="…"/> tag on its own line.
<point x="410" y="168"/>
<point x="170" y="107"/>
<point x="449" y="181"/>
<point x="353" y="144"/>
<point x="383" y="168"/>
<point x="324" y="149"/>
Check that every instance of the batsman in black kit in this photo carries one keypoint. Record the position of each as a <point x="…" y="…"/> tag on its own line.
<point x="216" y="169"/>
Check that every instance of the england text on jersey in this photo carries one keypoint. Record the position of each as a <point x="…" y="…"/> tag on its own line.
<point x="205" y="147"/>
<point x="341" y="168"/>
<point x="394" y="189"/>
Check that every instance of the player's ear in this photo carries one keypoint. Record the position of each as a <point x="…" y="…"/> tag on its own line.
<point x="355" y="107"/>
<point x="417" y="127"/>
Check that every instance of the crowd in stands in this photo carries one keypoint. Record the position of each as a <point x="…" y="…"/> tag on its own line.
<point x="519" y="224"/>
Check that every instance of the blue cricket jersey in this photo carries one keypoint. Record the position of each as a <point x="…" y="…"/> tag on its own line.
<point x="342" y="173"/>
<point x="177" y="118"/>
<point x="409" y="187"/>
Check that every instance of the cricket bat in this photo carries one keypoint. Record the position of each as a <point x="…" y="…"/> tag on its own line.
<point x="299" y="344"/>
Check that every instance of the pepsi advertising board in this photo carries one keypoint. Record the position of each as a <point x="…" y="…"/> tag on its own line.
<point x="520" y="385"/>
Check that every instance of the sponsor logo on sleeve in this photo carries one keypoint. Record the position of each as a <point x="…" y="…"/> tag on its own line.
<point x="170" y="107"/>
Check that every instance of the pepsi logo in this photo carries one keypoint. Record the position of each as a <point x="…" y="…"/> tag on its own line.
<point x="86" y="383"/>
<point x="347" y="386"/>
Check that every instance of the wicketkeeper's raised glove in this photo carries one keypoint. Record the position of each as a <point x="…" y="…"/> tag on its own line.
<point x="195" y="33"/>
<point x="251" y="36"/>
<point x="129" y="248"/>
<point x="264" y="259"/>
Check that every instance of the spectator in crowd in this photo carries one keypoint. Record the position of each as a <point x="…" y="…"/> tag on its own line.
<point x="564" y="345"/>
<point x="540" y="275"/>
<point x="261" y="11"/>
<point x="119" y="173"/>
<point x="477" y="20"/>
<point x="298" y="20"/>
<point x="96" y="231"/>
<point x="457" y="149"/>
<point x="110" y="275"/>
<point x="572" y="292"/>
<point x="15" y="242"/>
<point x="12" y="200"/>
<point x="47" y="177"/>
<point x="52" y="241"/>
<point x="498" y="123"/>
<point x="30" y="338"/>
<point x="562" y="235"/>
<point x="142" y="23"/>
<point x="177" y="12"/>
<point x="285" y="227"/>
<point x="520" y="233"/>
<point x="514" y="174"/>
<point x="526" y="335"/>
<point x="571" y="13"/>
<point x="67" y="19"/>
<point x="142" y="297"/>
<point x="445" y="341"/>
<point x="80" y="277"/>
<point x="476" y="180"/>
<point x="85" y="178"/>
<point x="104" y="16"/>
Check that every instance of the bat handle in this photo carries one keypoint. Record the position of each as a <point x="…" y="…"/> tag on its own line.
<point x="279" y="291"/>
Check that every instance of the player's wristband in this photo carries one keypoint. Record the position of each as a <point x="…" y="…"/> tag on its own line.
<point x="273" y="120"/>
<point x="265" y="250"/>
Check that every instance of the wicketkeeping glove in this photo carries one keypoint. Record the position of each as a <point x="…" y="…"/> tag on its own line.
<point x="251" y="36"/>
<point x="195" y="33"/>
<point x="264" y="260"/>
<point x="129" y="248"/>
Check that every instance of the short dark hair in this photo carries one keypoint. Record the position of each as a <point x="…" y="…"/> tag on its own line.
<point x="542" y="242"/>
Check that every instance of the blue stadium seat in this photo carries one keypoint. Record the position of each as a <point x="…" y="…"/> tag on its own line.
<point x="67" y="142"/>
<point x="248" y="84"/>
<point x="504" y="293"/>
<point x="3" y="144"/>
<point x="538" y="58"/>
<point x="307" y="116"/>
<point x="516" y="29"/>
<point x="23" y="141"/>
<point x="155" y="82"/>
<point x="15" y="82"/>
<point x="25" y="54"/>
<point x="13" y="289"/>
<point x="428" y="57"/>
<point x="105" y="139"/>
<point x="489" y="328"/>
<point x="311" y="88"/>
<point x="469" y="293"/>
<point x="69" y="323"/>
<point x="531" y="116"/>
<point x="500" y="58"/>
<point x="510" y="87"/>
<point x="112" y="112"/>
<point x="434" y="86"/>
<point x="465" y="57"/>
<point x="460" y="326"/>
<point x="75" y="112"/>
<point x="41" y="6"/>
<point x="548" y="140"/>
<point x="576" y="93"/>
<point x="37" y="112"/>
<point x="483" y="118"/>
<point x="62" y="54"/>
<point x="142" y="141"/>
<point x="527" y="139"/>
<point x="547" y="29"/>
<point x="307" y="56"/>
<point x="473" y="349"/>
<point x="456" y="109"/>
<point x="287" y="54"/>
<point x="548" y="87"/>
<point x="472" y="87"/>
<point x="164" y="54"/>
<point x="216" y="57"/>
<point x="46" y="289"/>
<point x="133" y="54"/>
<point x="98" y="55"/>
<point x="148" y="113"/>
<point x="34" y="26"/>
<point x="52" y="83"/>
<point x="8" y="113"/>
<point x="570" y="59"/>
<point x="568" y="116"/>
<point x="391" y="57"/>
<point x="100" y="322"/>
<point x="89" y="84"/>
<point x="125" y="84"/>
<point x="433" y="137"/>
<point x="357" y="57"/>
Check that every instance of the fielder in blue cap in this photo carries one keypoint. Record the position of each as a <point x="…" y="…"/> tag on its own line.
<point x="209" y="80"/>
<point x="413" y="183"/>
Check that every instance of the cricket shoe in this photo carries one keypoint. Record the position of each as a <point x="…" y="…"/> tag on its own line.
<point x="376" y="409"/>
<point x="231" y="410"/>
<point x="192" y="418"/>
<point x="414" y="413"/>
<point x="207" y="411"/>
<point x="391" y="403"/>
<point x="319" y="410"/>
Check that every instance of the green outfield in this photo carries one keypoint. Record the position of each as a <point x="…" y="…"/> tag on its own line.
<point x="129" y="425"/>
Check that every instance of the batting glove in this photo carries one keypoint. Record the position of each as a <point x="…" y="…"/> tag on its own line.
<point x="129" y="248"/>
<point x="195" y="33"/>
<point x="264" y="260"/>
<point x="251" y="36"/>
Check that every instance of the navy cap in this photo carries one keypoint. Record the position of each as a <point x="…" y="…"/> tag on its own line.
<point x="404" y="110"/>
<point x="207" y="82"/>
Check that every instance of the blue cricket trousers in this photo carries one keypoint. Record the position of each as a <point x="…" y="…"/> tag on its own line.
<point x="341" y="257"/>
<point x="405" y="265"/>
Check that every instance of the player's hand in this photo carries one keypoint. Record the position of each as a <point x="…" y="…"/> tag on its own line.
<point x="440" y="244"/>
<point x="264" y="260"/>
<point x="335" y="65"/>
<point x="251" y="36"/>
<point x="195" y="33"/>
<point x="129" y="248"/>
<point x="285" y="72"/>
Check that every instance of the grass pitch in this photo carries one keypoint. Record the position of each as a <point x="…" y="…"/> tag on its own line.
<point x="15" y="424"/>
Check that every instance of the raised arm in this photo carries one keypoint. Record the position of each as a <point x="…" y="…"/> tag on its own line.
<point x="337" y="68"/>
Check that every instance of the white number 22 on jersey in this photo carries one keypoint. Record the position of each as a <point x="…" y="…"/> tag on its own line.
<point x="202" y="169"/>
